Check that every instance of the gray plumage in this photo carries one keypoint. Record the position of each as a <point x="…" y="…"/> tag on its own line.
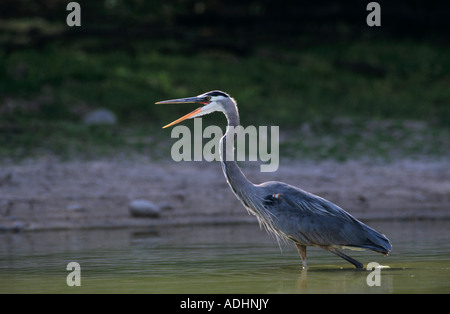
<point x="285" y="211"/>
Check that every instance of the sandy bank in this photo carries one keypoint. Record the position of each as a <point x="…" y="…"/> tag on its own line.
<point x="51" y="195"/>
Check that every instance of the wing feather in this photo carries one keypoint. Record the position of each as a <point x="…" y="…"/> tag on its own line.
<point x="311" y="220"/>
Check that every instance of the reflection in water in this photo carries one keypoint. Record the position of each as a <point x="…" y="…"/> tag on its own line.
<point x="340" y="281"/>
<point x="218" y="259"/>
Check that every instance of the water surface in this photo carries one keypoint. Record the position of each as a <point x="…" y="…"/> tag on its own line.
<point x="218" y="259"/>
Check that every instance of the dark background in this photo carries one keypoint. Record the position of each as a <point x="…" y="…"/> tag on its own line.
<point x="308" y="66"/>
<point x="237" y="26"/>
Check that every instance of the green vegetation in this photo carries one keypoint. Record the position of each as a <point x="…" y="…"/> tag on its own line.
<point x="330" y="101"/>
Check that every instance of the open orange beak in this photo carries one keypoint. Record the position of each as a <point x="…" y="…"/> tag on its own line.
<point x="197" y="100"/>
<point x="188" y="116"/>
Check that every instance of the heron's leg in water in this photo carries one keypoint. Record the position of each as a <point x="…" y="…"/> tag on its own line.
<point x="357" y="264"/>
<point x="302" y="251"/>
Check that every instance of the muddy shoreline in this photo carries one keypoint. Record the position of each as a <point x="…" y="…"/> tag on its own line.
<point x="48" y="195"/>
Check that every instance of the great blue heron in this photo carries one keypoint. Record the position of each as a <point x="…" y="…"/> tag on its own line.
<point x="285" y="210"/>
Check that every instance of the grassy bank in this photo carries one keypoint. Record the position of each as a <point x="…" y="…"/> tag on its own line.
<point x="344" y="99"/>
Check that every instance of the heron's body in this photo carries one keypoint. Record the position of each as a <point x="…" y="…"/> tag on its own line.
<point x="284" y="210"/>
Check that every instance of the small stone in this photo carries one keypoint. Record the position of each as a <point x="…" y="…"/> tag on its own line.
<point x="144" y="208"/>
<point x="76" y="208"/>
<point x="17" y="226"/>
<point x="100" y="116"/>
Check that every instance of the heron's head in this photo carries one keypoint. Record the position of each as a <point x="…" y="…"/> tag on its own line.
<point x="210" y="101"/>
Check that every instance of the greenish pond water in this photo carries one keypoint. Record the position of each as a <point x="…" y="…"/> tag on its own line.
<point x="218" y="259"/>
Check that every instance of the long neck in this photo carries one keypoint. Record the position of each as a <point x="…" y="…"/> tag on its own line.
<point x="235" y="178"/>
<point x="244" y="190"/>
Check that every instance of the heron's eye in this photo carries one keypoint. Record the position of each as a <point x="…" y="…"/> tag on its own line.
<point x="208" y="98"/>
